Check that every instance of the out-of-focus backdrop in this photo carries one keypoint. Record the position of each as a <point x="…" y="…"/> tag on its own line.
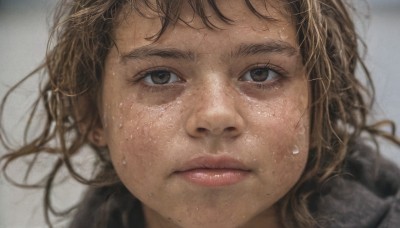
<point x="23" y="36"/>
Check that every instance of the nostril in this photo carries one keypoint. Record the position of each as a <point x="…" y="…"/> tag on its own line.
<point x="201" y="130"/>
<point x="230" y="129"/>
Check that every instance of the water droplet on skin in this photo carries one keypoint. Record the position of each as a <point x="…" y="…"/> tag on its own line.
<point x="120" y="125"/>
<point x="120" y="105"/>
<point x="150" y="195"/>
<point x="282" y="34"/>
<point x="296" y="150"/>
<point x="123" y="161"/>
<point x="302" y="130"/>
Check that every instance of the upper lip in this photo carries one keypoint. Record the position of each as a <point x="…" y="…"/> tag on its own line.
<point x="213" y="162"/>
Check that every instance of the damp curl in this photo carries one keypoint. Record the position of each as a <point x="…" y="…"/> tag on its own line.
<point x="82" y="36"/>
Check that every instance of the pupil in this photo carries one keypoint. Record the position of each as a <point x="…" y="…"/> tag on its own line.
<point x="160" y="77"/>
<point x="259" y="75"/>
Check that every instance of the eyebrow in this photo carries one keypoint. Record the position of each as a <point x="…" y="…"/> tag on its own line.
<point x="146" y="52"/>
<point x="279" y="47"/>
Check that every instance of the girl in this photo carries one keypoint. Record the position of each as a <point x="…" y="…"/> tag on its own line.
<point x="213" y="114"/>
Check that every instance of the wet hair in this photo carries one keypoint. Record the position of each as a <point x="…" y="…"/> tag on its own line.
<point x="83" y="35"/>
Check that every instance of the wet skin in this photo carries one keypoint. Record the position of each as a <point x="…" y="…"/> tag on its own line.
<point x="208" y="128"/>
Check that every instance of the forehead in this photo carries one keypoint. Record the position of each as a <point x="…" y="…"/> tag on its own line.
<point x="148" y="18"/>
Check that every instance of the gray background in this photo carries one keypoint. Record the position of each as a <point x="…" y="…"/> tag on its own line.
<point x="23" y="37"/>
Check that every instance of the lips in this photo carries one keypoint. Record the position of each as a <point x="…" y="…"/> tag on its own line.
<point x="212" y="171"/>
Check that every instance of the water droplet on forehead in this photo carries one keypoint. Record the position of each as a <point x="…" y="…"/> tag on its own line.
<point x="282" y="33"/>
<point x="123" y="161"/>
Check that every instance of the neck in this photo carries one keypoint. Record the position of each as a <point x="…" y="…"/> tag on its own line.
<point x="269" y="218"/>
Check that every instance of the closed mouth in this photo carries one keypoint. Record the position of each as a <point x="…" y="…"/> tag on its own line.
<point x="212" y="171"/>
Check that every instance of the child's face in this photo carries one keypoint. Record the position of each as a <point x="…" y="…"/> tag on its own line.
<point x="207" y="128"/>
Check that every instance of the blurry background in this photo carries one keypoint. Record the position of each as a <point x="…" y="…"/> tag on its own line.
<point x="23" y="37"/>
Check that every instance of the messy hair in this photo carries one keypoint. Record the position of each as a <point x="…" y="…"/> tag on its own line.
<point x="83" y="35"/>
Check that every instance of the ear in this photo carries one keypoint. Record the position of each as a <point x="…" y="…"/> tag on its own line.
<point x="97" y="137"/>
<point x="89" y="121"/>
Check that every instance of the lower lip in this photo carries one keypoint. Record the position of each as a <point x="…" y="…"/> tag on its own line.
<point x="214" y="177"/>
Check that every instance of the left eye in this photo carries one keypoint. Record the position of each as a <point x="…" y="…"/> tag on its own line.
<point x="259" y="75"/>
<point x="160" y="77"/>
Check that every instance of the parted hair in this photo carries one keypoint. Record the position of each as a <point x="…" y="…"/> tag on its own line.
<point x="83" y="34"/>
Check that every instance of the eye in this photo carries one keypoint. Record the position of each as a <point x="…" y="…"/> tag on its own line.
<point x="261" y="74"/>
<point x="160" y="77"/>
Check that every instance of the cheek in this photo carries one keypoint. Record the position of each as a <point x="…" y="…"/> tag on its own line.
<point x="284" y="122"/>
<point x="283" y="128"/>
<point x="291" y="128"/>
<point x="136" y="137"/>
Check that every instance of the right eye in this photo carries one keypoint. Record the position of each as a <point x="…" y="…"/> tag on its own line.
<point x="260" y="75"/>
<point x="160" y="77"/>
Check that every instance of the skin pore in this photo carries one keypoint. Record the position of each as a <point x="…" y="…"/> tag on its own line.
<point x="207" y="128"/>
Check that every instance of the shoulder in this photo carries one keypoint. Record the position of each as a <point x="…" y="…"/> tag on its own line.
<point x="367" y="194"/>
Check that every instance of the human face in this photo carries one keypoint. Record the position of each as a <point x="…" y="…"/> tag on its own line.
<point x="207" y="128"/>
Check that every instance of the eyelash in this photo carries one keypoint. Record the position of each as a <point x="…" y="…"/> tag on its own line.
<point x="141" y="76"/>
<point x="281" y="73"/>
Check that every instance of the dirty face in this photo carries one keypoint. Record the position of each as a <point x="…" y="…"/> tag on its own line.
<point x="207" y="128"/>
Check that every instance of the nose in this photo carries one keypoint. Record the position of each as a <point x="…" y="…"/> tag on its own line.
<point x="215" y="112"/>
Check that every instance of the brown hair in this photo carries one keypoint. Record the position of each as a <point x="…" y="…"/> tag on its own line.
<point x="83" y="35"/>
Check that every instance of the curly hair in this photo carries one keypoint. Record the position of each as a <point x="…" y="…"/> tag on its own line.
<point x="83" y="35"/>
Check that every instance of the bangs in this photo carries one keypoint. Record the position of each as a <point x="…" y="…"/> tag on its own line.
<point x="209" y="12"/>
